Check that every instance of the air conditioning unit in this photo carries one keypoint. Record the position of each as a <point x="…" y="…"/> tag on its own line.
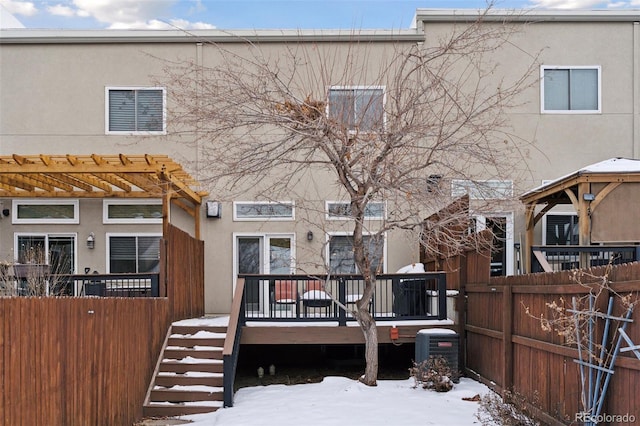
<point x="438" y="342"/>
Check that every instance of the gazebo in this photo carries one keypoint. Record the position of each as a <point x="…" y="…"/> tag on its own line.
<point x="605" y="196"/>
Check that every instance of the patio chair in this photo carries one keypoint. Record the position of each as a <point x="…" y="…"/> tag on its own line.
<point x="285" y="294"/>
<point x="315" y="297"/>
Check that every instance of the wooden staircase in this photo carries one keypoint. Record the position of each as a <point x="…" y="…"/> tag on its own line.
<point x="188" y="376"/>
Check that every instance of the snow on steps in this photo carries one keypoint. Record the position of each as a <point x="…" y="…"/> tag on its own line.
<point x="188" y="378"/>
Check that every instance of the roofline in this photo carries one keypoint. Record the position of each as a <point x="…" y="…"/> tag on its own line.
<point x="45" y="36"/>
<point x="525" y="15"/>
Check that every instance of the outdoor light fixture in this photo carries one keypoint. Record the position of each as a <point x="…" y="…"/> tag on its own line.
<point x="91" y="241"/>
<point x="588" y="196"/>
<point x="5" y="212"/>
<point x="309" y="236"/>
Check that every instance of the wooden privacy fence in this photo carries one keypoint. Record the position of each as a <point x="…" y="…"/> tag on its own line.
<point x="507" y="347"/>
<point x="88" y="361"/>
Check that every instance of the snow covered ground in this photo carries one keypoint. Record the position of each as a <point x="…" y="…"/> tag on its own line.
<point x="339" y="400"/>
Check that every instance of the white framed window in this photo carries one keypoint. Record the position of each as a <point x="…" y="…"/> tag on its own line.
<point x="570" y="90"/>
<point x="482" y="189"/>
<point x="341" y="210"/>
<point x="47" y="211"/>
<point x="358" y="108"/>
<point x="132" y="211"/>
<point x="34" y="250"/>
<point x="560" y="229"/>
<point x="135" y="110"/>
<point x="263" y="210"/>
<point x="340" y="252"/>
<point x="133" y="253"/>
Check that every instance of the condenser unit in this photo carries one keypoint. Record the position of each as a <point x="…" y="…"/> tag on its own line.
<point x="438" y="342"/>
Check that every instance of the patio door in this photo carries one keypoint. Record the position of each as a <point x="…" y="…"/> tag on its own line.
<point x="56" y="250"/>
<point x="501" y="225"/>
<point x="262" y="254"/>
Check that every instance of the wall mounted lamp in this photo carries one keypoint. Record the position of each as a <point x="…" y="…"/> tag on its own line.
<point x="588" y="196"/>
<point x="91" y="241"/>
<point x="309" y="236"/>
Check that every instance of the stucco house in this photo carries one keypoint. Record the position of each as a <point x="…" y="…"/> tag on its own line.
<point x="94" y="92"/>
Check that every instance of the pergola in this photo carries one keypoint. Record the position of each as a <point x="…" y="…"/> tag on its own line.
<point x="604" y="195"/>
<point x="102" y="176"/>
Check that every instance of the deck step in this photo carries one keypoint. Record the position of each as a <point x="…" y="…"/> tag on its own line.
<point x="188" y="377"/>
<point x="175" y="410"/>
<point x="170" y="395"/>
<point x="173" y="352"/>
<point x="184" y="367"/>
<point x="185" y="380"/>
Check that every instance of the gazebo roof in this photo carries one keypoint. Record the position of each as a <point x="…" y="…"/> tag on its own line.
<point x="96" y="176"/>
<point x="611" y="170"/>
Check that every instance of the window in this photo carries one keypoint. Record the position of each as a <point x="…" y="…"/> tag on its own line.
<point x="135" y="110"/>
<point x="58" y="251"/>
<point x="341" y="259"/>
<point x="133" y="253"/>
<point x="357" y="108"/>
<point x="570" y="89"/>
<point x="342" y="210"/>
<point x="560" y="229"/>
<point x="263" y="210"/>
<point x="45" y="211"/>
<point x="132" y="211"/>
<point x="482" y="190"/>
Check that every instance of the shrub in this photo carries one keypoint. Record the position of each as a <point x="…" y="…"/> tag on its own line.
<point x="512" y="410"/>
<point x="433" y="373"/>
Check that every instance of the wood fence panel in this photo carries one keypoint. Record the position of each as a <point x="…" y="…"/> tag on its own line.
<point x="77" y="361"/>
<point x="184" y="257"/>
<point x="542" y="363"/>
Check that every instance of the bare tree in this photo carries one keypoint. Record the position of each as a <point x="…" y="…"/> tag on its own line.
<point x="387" y="121"/>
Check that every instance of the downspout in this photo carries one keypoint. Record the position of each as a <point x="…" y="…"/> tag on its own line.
<point x="635" y="45"/>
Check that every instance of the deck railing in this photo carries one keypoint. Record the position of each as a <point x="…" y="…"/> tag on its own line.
<point x="560" y="258"/>
<point x="313" y="298"/>
<point x="26" y="283"/>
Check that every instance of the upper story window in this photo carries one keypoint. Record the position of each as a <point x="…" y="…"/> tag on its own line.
<point x="132" y="211"/>
<point x="263" y="210"/>
<point x="482" y="190"/>
<point x="570" y="89"/>
<point x="45" y="211"/>
<point x="135" y="110"/>
<point x="357" y="108"/>
<point x="342" y="210"/>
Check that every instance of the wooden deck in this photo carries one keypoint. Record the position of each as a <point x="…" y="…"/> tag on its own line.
<point x="315" y="334"/>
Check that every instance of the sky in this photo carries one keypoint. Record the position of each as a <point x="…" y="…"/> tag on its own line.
<point x="253" y="14"/>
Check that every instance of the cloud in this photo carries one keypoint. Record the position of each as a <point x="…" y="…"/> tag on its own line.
<point x="155" y="24"/>
<point x="61" y="10"/>
<point x="25" y="8"/>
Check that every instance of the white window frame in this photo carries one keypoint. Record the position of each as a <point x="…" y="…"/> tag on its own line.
<point x="108" y="235"/>
<point x="327" y="248"/>
<point x="46" y="236"/>
<point x="107" y="89"/>
<point x="544" y="68"/>
<point x="329" y="216"/>
<point x="107" y="220"/>
<point x="481" y="224"/>
<point x="237" y="218"/>
<point x="384" y="103"/>
<point x="53" y="201"/>
<point x="265" y="248"/>
<point x="492" y="193"/>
